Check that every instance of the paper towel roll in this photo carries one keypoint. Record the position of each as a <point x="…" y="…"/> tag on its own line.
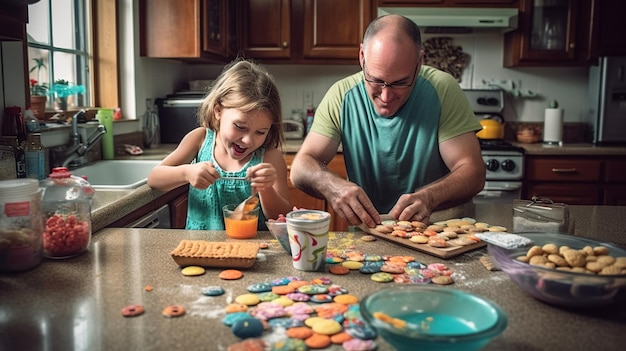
<point x="553" y="125"/>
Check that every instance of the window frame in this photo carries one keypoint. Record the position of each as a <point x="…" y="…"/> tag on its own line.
<point x="104" y="59"/>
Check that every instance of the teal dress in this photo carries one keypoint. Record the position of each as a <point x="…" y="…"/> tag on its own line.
<point x="205" y="205"/>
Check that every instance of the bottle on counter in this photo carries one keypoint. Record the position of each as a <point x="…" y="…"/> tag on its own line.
<point x="309" y="118"/>
<point x="36" y="157"/>
<point x="66" y="207"/>
<point x="18" y="155"/>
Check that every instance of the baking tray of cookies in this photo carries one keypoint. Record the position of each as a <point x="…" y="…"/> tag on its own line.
<point x="215" y="254"/>
<point x="463" y="242"/>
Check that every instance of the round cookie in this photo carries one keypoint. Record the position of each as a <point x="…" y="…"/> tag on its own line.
<point x="212" y="291"/>
<point x="339" y="270"/>
<point x="382" y="277"/>
<point x="247" y="328"/>
<point x="327" y="327"/>
<point x="230" y="274"/>
<point x="193" y="271"/>
<point x="173" y="311"/>
<point x="248" y="299"/>
<point x="132" y="311"/>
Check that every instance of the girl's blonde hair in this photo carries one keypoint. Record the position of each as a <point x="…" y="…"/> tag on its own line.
<point x="244" y="86"/>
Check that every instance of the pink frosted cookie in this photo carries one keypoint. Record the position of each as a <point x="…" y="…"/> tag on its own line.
<point x="359" y="345"/>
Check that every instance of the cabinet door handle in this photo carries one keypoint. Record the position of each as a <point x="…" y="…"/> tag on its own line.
<point x="564" y="170"/>
<point x="285" y="44"/>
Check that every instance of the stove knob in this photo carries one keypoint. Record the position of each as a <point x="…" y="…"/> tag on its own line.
<point x="492" y="165"/>
<point x="508" y="165"/>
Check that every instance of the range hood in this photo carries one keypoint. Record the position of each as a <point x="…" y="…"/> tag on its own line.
<point x="501" y="19"/>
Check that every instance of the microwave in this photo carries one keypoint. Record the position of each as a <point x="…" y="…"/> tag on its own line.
<point x="178" y="115"/>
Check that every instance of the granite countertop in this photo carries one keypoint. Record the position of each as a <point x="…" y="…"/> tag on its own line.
<point x="110" y="206"/>
<point x="578" y="149"/>
<point x="76" y="303"/>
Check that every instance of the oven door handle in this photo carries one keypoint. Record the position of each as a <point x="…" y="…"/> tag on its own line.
<point x="504" y="187"/>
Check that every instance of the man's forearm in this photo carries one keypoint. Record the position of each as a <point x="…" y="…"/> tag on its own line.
<point x="310" y="176"/>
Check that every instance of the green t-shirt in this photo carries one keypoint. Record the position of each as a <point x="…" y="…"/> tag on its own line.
<point x="389" y="157"/>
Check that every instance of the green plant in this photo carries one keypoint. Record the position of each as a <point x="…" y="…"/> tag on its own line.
<point x="37" y="89"/>
<point x="63" y="88"/>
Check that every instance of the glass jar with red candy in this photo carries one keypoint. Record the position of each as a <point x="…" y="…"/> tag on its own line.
<point x="66" y="206"/>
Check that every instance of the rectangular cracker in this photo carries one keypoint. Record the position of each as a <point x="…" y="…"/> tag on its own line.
<point x="224" y="254"/>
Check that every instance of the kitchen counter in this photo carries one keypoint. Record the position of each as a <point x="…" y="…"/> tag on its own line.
<point x="75" y="304"/>
<point x="578" y="149"/>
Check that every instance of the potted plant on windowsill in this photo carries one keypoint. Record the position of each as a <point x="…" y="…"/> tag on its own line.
<point x="38" y="91"/>
<point x="62" y="90"/>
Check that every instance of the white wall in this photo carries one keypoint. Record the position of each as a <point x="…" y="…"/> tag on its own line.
<point x="566" y="85"/>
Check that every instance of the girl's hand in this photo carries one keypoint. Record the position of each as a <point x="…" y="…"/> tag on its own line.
<point x="262" y="176"/>
<point x="201" y="175"/>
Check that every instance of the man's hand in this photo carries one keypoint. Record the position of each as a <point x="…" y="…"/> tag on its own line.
<point x="352" y="204"/>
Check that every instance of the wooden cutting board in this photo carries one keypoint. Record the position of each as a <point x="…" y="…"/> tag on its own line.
<point x="447" y="252"/>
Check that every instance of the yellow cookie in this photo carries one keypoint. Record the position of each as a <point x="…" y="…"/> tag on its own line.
<point x="193" y="270"/>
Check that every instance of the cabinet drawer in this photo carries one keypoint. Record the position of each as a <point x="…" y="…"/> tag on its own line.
<point x="563" y="170"/>
<point x="615" y="172"/>
<point x="571" y="194"/>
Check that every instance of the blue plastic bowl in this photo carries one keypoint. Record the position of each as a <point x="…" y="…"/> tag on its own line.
<point x="437" y="318"/>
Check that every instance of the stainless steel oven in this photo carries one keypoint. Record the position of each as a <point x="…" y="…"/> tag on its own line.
<point x="504" y="161"/>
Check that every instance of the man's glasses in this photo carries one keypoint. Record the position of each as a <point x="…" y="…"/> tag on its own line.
<point x="382" y="84"/>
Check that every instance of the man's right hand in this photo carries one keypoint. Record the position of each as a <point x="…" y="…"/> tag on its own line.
<point x="351" y="203"/>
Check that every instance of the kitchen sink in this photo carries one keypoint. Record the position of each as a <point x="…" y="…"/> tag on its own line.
<point x="117" y="174"/>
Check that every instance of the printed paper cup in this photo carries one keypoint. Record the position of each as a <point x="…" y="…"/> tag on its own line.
<point x="308" y="238"/>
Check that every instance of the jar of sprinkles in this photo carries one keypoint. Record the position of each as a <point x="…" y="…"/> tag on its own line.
<point x="66" y="208"/>
<point x="21" y="225"/>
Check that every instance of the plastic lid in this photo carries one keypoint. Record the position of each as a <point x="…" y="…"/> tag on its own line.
<point x="18" y="187"/>
<point x="60" y="172"/>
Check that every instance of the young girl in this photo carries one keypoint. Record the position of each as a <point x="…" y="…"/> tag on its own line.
<point x="239" y="136"/>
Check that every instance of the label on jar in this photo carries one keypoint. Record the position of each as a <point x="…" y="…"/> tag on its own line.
<point x="17" y="209"/>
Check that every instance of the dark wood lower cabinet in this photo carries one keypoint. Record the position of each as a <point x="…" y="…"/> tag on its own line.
<point x="577" y="180"/>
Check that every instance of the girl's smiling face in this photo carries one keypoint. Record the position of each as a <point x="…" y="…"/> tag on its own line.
<point x="241" y="133"/>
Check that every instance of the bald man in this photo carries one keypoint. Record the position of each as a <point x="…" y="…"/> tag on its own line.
<point x="407" y="132"/>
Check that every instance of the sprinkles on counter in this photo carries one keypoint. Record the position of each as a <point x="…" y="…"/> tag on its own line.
<point x="311" y="314"/>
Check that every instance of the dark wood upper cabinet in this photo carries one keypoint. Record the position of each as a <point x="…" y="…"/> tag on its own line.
<point x="334" y="29"/>
<point x="550" y="33"/>
<point x="608" y="28"/>
<point x="449" y="3"/>
<point x="304" y="31"/>
<point x="187" y="30"/>
<point x="266" y="29"/>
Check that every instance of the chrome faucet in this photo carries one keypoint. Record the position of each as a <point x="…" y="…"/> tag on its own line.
<point x="69" y="156"/>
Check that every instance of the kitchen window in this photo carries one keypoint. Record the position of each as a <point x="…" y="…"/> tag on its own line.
<point x="58" y="51"/>
<point x="75" y="41"/>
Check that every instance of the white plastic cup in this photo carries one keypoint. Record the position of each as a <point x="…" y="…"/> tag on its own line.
<point x="308" y="238"/>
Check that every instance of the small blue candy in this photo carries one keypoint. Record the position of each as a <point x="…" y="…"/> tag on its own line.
<point x="212" y="291"/>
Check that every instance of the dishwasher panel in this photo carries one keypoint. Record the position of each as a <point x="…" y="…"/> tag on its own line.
<point x="155" y="219"/>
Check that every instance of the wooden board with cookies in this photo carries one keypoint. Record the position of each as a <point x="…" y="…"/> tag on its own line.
<point x="444" y="239"/>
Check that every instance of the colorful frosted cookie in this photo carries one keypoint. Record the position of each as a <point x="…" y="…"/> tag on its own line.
<point x="382" y="277"/>
<point x="212" y="291"/>
<point x="247" y="328"/>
